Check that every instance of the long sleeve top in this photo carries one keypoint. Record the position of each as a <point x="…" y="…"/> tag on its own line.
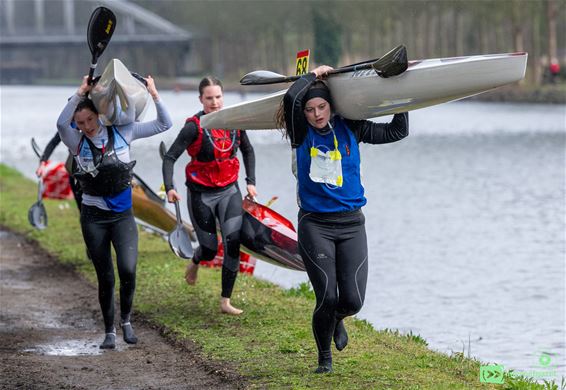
<point x="189" y="134"/>
<point x="72" y="137"/>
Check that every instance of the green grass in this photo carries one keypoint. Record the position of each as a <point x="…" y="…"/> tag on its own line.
<point x="271" y="344"/>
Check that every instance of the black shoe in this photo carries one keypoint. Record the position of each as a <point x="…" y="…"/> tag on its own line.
<point x="128" y="333"/>
<point x="323" y="369"/>
<point x="324" y="362"/>
<point x="340" y="336"/>
<point x="109" y="341"/>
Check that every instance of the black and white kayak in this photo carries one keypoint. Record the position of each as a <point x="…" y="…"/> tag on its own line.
<point x="363" y="94"/>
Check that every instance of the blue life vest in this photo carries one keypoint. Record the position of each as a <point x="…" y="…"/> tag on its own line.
<point x="327" y="198"/>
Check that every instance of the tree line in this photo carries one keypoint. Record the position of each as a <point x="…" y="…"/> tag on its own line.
<point x="237" y="36"/>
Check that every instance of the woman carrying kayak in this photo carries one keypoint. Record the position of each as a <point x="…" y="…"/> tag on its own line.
<point x="331" y="225"/>
<point x="104" y="171"/>
<point x="212" y="187"/>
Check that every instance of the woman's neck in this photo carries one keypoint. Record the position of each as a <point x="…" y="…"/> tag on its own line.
<point x="325" y="130"/>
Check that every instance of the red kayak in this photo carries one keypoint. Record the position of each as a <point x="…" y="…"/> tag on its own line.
<point x="269" y="236"/>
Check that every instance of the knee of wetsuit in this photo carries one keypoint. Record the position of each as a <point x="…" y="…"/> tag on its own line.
<point x="232" y="245"/>
<point x="205" y="254"/>
<point x="349" y="307"/>
<point x="231" y="263"/>
<point x="106" y="279"/>
<point x="128" y="273"/>
<point x="329" y="301"/>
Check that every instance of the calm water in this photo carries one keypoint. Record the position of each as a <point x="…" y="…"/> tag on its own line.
<point x="465" y="218"/>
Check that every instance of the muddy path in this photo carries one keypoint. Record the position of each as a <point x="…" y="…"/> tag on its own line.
<point x="51" y="326"/>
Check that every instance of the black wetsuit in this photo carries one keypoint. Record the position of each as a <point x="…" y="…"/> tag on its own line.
<point x="100" y="229"/>
<point x="206" y="204"/>
<point x="69" y="164"/>
<point x="333" y="245"/>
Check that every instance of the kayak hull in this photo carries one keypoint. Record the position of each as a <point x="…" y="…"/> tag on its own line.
<point x="150" y="208"/>
<point x="364" y="95"/>
<point x="118" y="96"/>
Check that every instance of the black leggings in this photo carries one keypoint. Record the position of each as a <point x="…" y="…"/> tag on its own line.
<point x="334" y="249"/>
<point x="100" y="229"/>
<point x="226" y="206"/>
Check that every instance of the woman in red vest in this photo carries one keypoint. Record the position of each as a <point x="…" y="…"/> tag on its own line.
<point x="213" y="192"/>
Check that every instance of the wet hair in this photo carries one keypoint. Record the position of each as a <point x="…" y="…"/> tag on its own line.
<point x="87" y="104"/>
<point x="207" y="82"/>
<point x="280" y="118"/>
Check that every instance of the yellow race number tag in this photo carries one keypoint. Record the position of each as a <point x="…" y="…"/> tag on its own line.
<point x="302" y="62"/>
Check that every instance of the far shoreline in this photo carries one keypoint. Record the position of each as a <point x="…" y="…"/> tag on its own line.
<point x="514" y="93"/>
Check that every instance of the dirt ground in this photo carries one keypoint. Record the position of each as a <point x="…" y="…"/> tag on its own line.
<point x="51" y="326"/>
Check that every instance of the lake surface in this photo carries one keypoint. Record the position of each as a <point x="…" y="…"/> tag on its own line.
<point x="466" y="218"/>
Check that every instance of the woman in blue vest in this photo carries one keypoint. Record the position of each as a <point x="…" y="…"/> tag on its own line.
<point x="331" y="227"/>
<point x="104" y="171"/>
<point x="212" y="187"/>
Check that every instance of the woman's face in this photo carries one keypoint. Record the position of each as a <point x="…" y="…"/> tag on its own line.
<point x="317" y="112"/>
<point x="87" y="122"/>
<point x="211" y="98"/>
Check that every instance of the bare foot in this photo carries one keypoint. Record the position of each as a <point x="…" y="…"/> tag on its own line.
<point x="226" y="307"/>
<point x="191" y="273"/>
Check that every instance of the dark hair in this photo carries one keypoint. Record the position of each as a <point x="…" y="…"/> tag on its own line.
<point x="280" y="118"/>
<point x="207" y="82"/>
<point x="85" y="103"/>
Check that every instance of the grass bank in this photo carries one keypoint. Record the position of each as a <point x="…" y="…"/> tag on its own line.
<point x="271" y="344"/>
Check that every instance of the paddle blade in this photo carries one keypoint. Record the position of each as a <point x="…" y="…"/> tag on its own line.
<point x="162" y="149"/>
<point x="37" y="216"/>
<point x="100" y="28"/>
<point x="180" y="243"/>
<point x="258" y="77"/>
<point x="36" y="148"/>
<point x="393" y="63"/>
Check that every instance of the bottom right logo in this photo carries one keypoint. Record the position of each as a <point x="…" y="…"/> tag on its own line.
<point x="494" y="373"/>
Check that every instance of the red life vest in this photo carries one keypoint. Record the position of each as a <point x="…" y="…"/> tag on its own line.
<point x="223" y="169"/>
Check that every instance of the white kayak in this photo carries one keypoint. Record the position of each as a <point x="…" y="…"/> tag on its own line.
<point x="364" y="95"/>
<point x="118" y="96"/>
